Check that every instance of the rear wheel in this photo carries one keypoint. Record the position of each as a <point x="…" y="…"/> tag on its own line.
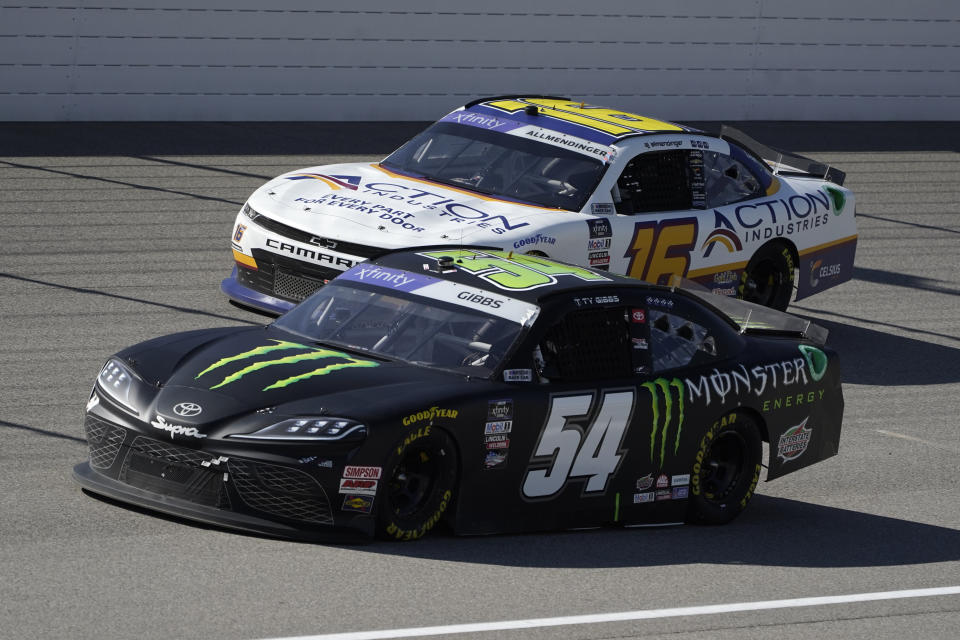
<point x="768" y="278"/>
<point x="420" y="480"/>
<point x="726" y="470"/>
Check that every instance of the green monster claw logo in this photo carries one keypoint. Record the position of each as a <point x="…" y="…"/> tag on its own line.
<point x="665" y="387"/>
<point x="816" y="361"/>
<point x="306" y="353"/>
<point x="838" y="198"/>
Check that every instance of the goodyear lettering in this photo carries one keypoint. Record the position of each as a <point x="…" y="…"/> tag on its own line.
<point x="414" y="534"/>
<point x="753" y="485"/>
<point x="660" y="431"/>
<point x="537" y="239"/>
<point x="344" y="361"/>
<point x="413" y="436"/>
<point x="705" y="442"/>
<point x="429" y="414"/>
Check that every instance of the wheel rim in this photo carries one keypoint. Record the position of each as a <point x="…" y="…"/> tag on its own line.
<point x="762" y="284"/>
<point x="724" y="465"/>
<point x="412" y="482"/>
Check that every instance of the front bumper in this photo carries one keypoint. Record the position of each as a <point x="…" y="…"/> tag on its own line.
<point x="248" y="297"/>
<point x="235" y="492"/>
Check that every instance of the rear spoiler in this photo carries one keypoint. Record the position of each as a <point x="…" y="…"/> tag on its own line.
<point x="751" y="318"/>
<point x="803" y="329"/>
<point x="783" y="162"/>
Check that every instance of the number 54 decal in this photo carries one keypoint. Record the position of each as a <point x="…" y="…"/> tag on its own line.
<point x="569" y="448"/>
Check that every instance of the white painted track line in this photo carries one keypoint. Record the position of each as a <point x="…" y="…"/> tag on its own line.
<point x="649" y="614"/>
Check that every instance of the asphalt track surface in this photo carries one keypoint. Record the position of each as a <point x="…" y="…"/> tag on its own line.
<point x="115" y="234"/>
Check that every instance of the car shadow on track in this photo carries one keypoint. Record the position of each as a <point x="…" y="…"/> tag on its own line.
<point x="872" y="357"/>
<point x="775" y="532"/>
<point x="772" y="532"/>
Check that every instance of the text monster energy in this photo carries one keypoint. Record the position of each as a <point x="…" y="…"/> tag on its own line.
<point x="306" y="354"/>
<point x="661" y="430"/>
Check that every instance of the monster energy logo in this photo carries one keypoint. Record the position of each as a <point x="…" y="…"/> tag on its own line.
<point x="661" y="430"/>
<point x="305" y="354"/>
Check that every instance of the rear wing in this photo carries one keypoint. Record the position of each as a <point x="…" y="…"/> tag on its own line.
<point x="753" y="319"/>
<point x="783" y="162"/>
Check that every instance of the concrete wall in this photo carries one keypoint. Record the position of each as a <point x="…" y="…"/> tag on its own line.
<point x="237" y="60"/>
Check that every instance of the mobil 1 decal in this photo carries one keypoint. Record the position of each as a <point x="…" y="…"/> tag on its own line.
<point x="581" y="440"/>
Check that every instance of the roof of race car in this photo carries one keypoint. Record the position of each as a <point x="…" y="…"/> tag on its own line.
<point x="590" y="122"/>
<point x="524" y="277"/>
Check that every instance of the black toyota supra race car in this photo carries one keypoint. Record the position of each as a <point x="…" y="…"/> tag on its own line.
<point x="492" y="391"/>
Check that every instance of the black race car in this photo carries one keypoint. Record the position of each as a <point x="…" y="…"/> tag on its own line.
<point x="494" y="391"/>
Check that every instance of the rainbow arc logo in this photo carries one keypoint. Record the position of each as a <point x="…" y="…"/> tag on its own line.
<point x="334" y="182"/>
<point x="722" y="236"/>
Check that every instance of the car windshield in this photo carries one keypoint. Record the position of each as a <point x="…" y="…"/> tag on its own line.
<point x="404" y="327"/>
<point x="500" y="164"/>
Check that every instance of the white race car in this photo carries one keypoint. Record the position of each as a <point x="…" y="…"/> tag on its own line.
<point x="575" y="182"/>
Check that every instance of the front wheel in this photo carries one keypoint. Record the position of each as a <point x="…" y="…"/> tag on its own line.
<point x="768" y="278"/>
<point x="421" y="475"/>
<point x="726" y="470"/>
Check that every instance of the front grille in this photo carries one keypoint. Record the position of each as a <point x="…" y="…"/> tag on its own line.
<point x="292" y="287"/>
<point x="104" y="440"/>
<point x="349" y="248"/>
<point x="284" y="277"/>
<point x="280" y="491"/>
<point x="175" y="471"/>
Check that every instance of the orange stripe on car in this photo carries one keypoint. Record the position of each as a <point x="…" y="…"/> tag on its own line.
<point x="244" y="259"/>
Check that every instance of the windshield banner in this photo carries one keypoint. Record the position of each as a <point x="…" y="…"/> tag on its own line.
<point x="481" y="300"/>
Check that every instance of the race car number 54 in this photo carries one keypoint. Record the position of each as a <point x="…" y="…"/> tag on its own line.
<point x="570" y="451"/>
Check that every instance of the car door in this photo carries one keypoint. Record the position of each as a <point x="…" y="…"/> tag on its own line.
<point x="621" y="425"/>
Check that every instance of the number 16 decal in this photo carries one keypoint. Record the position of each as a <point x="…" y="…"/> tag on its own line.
<point x="570" y="448"/>
<point x="661" y="249"/>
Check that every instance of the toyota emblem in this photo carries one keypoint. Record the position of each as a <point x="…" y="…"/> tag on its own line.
<point x="187" y="409"/>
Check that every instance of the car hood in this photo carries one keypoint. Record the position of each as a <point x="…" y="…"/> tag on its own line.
<point x="247" y="370"/>
<point x="367" y="204"/>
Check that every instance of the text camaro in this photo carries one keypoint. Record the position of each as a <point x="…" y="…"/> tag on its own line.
<point x="492" y="390"/>
<point x="551" y="177"/>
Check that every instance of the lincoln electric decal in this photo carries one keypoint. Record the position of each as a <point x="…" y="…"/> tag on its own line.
<point x="340" y="361"/>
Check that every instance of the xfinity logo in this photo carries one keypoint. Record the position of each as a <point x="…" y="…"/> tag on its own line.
<point x="394" y="278"/>
<point x="176" y="429"/>
<point x="187" y="409"/>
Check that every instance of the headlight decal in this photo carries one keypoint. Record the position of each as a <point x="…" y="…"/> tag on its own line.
<point x="116" y="380"/>
<point x="308" y="429"/>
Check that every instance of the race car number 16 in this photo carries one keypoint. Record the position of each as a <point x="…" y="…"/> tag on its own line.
<point x="570" y="451"/>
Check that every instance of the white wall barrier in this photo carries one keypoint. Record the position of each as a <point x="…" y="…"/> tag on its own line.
<point x="238" y="60"/>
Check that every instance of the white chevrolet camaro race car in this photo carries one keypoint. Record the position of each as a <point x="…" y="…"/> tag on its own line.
<point x="554" y="177"/>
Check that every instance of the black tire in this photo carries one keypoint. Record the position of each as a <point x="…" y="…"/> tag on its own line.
<point x="768" y="278"/>
<point x="420" y="479"/>
<point x="726" y="470"/>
